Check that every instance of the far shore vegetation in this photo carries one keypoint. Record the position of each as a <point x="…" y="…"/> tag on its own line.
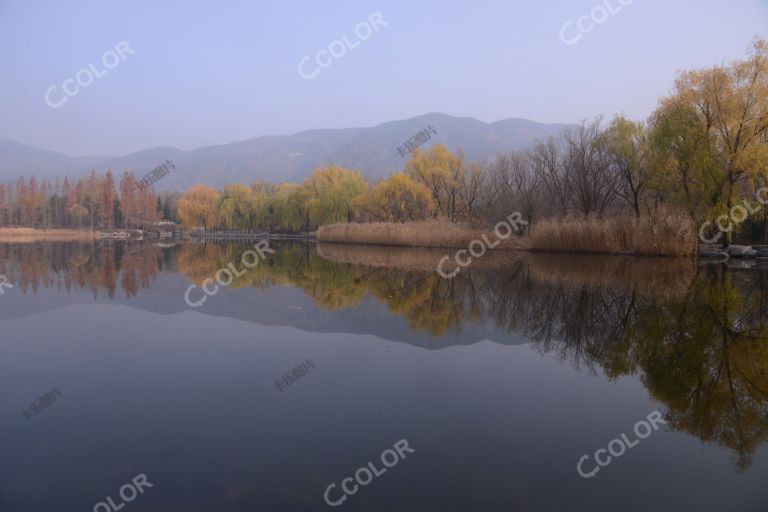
<point x="662" y="235"/>
<point x="615" y="186"/>
<point x="33" y="235"/>
<point x="425" y="233"/>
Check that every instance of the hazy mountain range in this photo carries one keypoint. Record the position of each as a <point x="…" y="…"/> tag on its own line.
<point x="277" y="158"/>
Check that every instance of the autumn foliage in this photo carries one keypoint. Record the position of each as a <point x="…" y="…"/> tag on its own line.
<point x="92" y="203"/>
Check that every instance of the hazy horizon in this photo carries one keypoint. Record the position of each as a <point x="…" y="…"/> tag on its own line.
<point x="273" y="135"/>
<point x="199" y="75"/>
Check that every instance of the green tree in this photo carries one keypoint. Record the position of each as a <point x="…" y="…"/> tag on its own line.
<point x="334" y="194"/>
<point x="712" y="132"/>
<point x="237" y="208"/>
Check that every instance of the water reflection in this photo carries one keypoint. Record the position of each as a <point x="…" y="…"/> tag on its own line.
<point x="83" y="265"/>
<point x="695" y="336"/>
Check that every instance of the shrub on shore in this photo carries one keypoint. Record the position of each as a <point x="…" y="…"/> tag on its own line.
<point x="662" y="235"/>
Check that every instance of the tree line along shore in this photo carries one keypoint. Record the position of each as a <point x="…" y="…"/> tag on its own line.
<point x="651" y="187"/>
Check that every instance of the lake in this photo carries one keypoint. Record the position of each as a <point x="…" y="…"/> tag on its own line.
<point x="358" y="379"/>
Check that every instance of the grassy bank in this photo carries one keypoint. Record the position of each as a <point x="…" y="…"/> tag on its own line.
<point x="33" y="235"/>
<point x="668" y="235"/>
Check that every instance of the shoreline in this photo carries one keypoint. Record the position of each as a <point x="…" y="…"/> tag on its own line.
<point x="458" y="239"/>
<point x="223" y="235"/>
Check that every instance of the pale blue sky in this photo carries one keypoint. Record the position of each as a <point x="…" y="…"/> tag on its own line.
<point x="215" y="72"/>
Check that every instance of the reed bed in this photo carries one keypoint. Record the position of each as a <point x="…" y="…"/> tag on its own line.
<point x="33" y="235"/>
<point x="648" y="276"/>
<point x="662" y="235"/>
<point x="431" y="233"/>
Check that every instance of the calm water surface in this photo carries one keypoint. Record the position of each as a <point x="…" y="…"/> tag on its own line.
<point x="316" y="361"/>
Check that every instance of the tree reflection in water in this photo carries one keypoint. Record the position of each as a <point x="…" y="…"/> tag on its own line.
<point x="81" y="265"/>
<point x="696" y="337"/>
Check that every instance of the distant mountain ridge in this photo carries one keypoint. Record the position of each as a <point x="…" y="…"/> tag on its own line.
<point x="278" y="158"/>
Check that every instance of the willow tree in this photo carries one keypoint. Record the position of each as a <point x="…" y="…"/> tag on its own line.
<point x="199" y="207"/>
<point x="288" y="207"/>
<point x="261" y="196"/>
<point x="684" y="166"/>
<point x="236" y="208"/>
<point x="728" y="106"/>
<point x="454" y="184"/>
<point x="334" y="194"/>
<point x="399" y="198"/>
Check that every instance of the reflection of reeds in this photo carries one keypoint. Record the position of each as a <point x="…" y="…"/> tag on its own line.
<point x="660" y="277"/>
<point x="406" y="258"/>
<point x="662" y="235"/>
<point x="665" y="277"/>
<point x="31" y="235"/>
<point x="429" y="233"/>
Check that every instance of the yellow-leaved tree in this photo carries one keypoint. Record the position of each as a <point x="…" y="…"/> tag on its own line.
<point x="334" y="194"/>
<point x="199" y="207"/>
<point x="399" y="198"/>
<point x="714" y="131"/>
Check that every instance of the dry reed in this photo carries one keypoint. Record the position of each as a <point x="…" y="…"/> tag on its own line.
<point x="662" y="235"/>
<point x="32" y="235"/>
<point x="430" y="233"/>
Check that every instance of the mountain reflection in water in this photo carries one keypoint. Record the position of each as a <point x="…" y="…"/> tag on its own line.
<point x="695" y="336"/>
